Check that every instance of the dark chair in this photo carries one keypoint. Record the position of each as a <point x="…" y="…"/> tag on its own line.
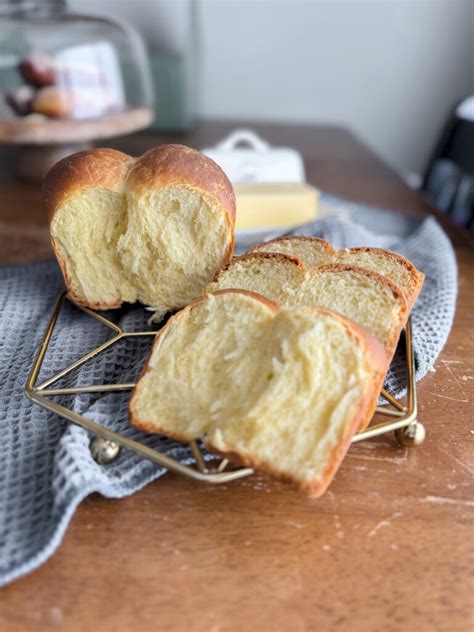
<point x="449" y="178"/>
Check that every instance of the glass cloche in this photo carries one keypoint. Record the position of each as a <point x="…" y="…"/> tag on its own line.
<point x="67" y="78"/>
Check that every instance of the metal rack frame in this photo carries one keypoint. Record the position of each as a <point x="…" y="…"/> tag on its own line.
<point x="107" y="443"/>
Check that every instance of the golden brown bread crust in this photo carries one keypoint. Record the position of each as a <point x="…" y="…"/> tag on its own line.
<point x="276" y="240"/>
<point x="383" y="281"/>
<point x="272" y="256"/>
<point x="91" y="168"/>
<point x="79" y="300"/>
<point x="176" y="164"/>
<point x="360" y="418"/>
<point x="116" y="171"/>
<point x="417" y="277"/>
<point x="275" y="256"/>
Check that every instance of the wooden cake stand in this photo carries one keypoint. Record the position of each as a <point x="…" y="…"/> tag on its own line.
<point x="40" y="142"/>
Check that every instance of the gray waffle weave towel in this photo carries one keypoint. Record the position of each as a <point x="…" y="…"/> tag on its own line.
<point x="45" y="464"/>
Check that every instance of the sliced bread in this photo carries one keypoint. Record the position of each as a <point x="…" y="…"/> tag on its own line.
<point x="365" y="297"/>
<point x="153" y="229"/>
<point x="281" y="390"/>
<point x="314" y="252"/>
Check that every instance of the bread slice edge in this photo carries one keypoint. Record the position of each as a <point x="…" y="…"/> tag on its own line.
<point x="360" y="418"/>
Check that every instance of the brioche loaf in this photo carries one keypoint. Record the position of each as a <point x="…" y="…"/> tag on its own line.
<point x="314" y="252"/>
<point x="365" y="297"/>
<point x="281" y="390"/>
<point x="154" y="229"/>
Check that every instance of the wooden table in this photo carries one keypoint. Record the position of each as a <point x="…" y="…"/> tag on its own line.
<point x="389" y="547"/>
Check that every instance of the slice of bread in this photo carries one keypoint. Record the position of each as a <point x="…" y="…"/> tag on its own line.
<point x="365" y="297"/>
<point x="281" y="390"/>
<point x="153" y="229"/>
<point x="314" y="252"/>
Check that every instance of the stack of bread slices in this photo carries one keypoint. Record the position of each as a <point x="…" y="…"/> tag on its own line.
<point x="276" y="357"/>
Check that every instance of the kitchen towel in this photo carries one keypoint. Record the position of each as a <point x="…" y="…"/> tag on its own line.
<point x="46" y="468"/>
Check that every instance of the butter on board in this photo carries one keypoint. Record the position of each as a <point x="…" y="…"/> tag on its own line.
<point x="274" y="205"/>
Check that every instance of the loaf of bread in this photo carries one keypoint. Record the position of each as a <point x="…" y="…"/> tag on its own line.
<point x="155" y="229"/>
<point x="314" y="252"/>
<point x="281" y="390"/>
<point x="367" y="298"/>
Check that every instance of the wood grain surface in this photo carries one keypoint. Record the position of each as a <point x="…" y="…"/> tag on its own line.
<point x="389" y="547"/>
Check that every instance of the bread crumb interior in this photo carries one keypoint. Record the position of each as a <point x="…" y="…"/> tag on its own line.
<point x="277" y="389"/>
<point x="314" y="253"/>
<point x="357" y="296"/>
<point x="161" y="248"/>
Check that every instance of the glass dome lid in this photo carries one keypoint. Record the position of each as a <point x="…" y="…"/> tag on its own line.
<point x="66" y="77"/>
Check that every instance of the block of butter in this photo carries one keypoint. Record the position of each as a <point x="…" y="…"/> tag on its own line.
<point x="274" y="204"/>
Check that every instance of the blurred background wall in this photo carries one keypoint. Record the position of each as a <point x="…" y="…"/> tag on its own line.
<point x="390" y="70"/>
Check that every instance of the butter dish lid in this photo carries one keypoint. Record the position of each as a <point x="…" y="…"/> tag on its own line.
<point x="246" y="157"/>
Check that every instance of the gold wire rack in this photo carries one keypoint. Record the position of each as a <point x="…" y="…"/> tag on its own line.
<point x="107" y="443"/>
